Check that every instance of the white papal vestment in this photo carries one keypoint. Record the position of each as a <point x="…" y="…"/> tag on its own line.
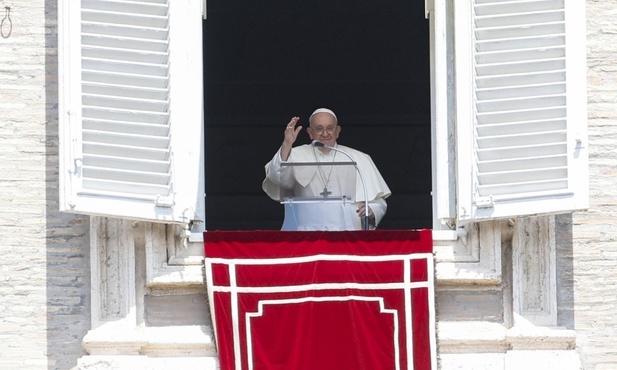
<point x="311" y="182"/>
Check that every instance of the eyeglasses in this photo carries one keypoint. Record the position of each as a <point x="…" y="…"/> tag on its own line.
<point x="320" y="130"/>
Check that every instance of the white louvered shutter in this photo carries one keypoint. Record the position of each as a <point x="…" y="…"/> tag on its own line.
<point x="521" y="108"/>
<point x="131" y="128"/>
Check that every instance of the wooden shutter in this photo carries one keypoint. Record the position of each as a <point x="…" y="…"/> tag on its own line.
<point x="130" y="109"/>
<point x="521" y="108"/>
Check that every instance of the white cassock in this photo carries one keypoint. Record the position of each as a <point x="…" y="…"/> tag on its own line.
<point x="312" y="182"/>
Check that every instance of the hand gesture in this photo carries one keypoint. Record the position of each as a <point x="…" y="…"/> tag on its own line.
<point x="291" y="131"/>
<point x="290" y="135"/>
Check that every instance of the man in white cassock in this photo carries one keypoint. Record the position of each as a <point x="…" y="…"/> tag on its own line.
<point x="326" y="181"/>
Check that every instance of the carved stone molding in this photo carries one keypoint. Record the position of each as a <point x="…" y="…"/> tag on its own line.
<point x="129" y="261"/>
<point x="172" y="261"/>
<point x="534" y="271"/>
<point x="112" y="261"/>
<point x="471" y="256"/>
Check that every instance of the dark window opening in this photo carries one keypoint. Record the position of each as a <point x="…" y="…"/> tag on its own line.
<point x="266" y="61"/>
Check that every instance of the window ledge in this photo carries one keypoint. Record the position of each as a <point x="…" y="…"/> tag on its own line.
<point x="438" y="235"/>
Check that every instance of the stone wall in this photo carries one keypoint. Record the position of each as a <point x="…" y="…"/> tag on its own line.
<point x="44" y="268"/>
<point x="593" y="239"/>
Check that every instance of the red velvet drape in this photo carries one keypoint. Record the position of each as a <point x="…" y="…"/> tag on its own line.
<point x="322" y="300"/>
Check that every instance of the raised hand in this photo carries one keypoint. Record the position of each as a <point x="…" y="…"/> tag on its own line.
<point x="290" y="136"/>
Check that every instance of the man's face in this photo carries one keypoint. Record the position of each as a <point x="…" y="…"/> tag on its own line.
<point x="324" y="129"/>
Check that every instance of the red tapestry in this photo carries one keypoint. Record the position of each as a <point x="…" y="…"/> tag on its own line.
<point x="322" y="300"/>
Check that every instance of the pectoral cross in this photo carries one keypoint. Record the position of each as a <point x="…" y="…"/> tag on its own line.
<point x="325" y="192"/>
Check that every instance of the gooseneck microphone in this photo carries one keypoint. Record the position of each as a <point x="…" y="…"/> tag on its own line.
<point x="318" y="144"/>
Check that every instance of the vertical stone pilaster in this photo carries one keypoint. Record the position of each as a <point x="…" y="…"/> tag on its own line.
<point x="534" y="271"/>
<point x="113" y="271"/>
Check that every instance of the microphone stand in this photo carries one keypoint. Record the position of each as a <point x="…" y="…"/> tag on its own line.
<point x="318" y="144"/>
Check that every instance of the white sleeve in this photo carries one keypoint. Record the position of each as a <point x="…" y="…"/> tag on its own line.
<point x="277" y="174"/>
<point x="273" y="168"/>
<point x="379" y="207"/>
<point x="278" y="177"/>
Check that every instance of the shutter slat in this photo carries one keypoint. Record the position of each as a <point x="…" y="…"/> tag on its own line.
<point x="133" y="152"/>
<point x="521" y="115"/>
<point x="124" y="43"/>
<point x="141" y="177"/>
<point x="95" y="88"/>
<point x="122" y="31"/>
<point x="520" y="91"/>
<point x="527" y="140"/>
<point x="141" y="56"/>
<point x="511" y="178"/>
<point x="530" y="18"/>
<point x="521" y="127"/>
<point x="128" y="164"/>
<point x="521" y="152"/>
<point x="491" y="34"/>
<point x="530" y="163"/>
<point x="500" y="69"/>
<point x="536" y="53"/>
<point x="531" y="189"/>
<point x="90" y="112"/>
<point x="140" y="8"/>
<point x="139" y="141"/>
<point x="512" y="80"/>
<point x="518" y="7"/>
<point x="124" y="67"/>
<point x="125" y="127"/>
<point x="122" y="189"/>
<point x="121" y="102"/>
<point x="516" y="104"/>
<point x="520" y="43"/>
<point x="124" y="20"/>
<point x="118" y="78"/>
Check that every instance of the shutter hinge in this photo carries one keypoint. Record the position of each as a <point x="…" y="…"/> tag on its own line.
<point x="429" y="6"/>
<point x="485" y="202"/>
<point x="76" y="169"/>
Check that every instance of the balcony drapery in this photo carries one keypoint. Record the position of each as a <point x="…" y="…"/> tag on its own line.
<point x="322" y="300"/>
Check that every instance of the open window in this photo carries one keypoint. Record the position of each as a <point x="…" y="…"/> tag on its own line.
<point x="508" y="112"/>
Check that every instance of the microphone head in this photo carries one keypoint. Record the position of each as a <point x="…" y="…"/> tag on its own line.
<point x="318" y="144"/>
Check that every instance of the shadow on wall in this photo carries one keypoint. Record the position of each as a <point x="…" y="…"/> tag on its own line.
<point x="67" y="242"/>
<point x="565" y="271"/>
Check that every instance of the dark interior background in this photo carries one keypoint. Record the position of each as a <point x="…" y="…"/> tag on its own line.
<point x="269" y="60"/>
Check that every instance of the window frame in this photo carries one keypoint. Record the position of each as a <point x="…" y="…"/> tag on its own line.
<point x="451" y="93"/>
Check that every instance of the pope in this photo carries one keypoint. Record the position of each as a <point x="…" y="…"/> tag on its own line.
<point x="324" y="180"/>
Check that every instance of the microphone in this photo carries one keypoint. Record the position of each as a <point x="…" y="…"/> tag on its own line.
<point x="318" y="144"/>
